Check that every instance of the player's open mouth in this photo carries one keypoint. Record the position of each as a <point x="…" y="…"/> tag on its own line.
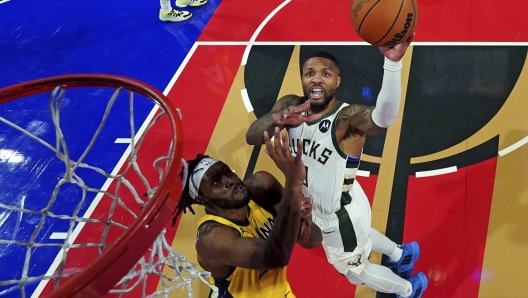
<point x="316" y="92"/>
<point x="238" y="189"/>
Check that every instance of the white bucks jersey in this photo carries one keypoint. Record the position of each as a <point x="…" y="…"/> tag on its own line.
<point x="329" y="171"/>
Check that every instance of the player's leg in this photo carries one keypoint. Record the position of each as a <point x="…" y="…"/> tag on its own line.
<point x="168" y="14"/>
<point x="402" y="258"/>
<point x="382" y="279"/>
<point x="192" y="3"/>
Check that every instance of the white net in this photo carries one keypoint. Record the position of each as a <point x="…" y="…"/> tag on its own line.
<point x="90" y="213"/>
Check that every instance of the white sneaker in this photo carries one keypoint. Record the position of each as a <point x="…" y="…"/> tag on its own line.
<point x="192" y="3"/>
<point x="174" y="16"/>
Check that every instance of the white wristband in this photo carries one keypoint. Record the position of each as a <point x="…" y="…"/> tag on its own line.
<point x="391" y="65"/>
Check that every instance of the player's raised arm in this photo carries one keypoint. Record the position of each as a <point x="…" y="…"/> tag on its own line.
<point x="268" y="192"/>
<point x="221" y="246"/>
<point x="373" y="120"/>
<point x="288" y="110"/>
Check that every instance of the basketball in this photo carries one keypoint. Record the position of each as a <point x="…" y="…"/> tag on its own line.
<point x="384" y="22"/>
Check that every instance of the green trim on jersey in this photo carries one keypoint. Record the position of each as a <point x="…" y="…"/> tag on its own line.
<point x="345" y="199"/>
<point x="329" y="113"/>
<point x="334" y="140"/>
<point x="348" y="235"/>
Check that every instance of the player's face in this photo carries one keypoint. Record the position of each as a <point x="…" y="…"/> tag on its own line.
<point x="223" y="188"/>
<point x="320" y="79"/>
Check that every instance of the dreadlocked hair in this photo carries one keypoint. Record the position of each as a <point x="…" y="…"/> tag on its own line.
<point x="186" y="200"/>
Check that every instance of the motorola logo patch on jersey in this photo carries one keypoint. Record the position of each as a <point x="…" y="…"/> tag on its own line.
<point x="324" y="126"/>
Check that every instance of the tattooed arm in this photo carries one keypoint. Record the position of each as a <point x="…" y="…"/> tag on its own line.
<point x="359" y="120"/>
<point x="362" y="119"/>
<point x="288" y="110"/>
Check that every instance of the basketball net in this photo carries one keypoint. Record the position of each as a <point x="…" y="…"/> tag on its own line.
<point x="99" y="215"/>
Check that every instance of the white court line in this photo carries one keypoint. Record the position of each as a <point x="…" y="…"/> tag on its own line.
<point x="245" y="99"/>
<point x="116" y="169"/>
<point x="58" y="235"/>
<point x="122" y="141"/>
<point x="346" y="43"/>
<point x="4" y="1"/>
<point x="513" y="147"/>
<point x="436" y="172"/>
<point x="363" y="173"/>
<point x="260" y="27"/>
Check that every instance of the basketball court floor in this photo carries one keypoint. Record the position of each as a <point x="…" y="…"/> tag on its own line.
<point x="451" y="173"/>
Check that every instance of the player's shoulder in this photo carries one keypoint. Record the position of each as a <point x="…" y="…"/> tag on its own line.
<point x="210" y="231"/>
<point x="351" y="110"/>
<point x="259" y="179"/>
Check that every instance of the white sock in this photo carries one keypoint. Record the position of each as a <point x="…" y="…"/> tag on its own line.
<point x="396" y="254"/>
<point x="165" y="6"/>
<point x="408" y="290"/>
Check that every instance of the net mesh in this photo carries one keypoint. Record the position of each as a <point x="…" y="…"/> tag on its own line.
<point x="92" y="217"/>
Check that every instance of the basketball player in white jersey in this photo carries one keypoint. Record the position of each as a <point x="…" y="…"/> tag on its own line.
<point x="333" y="134"/>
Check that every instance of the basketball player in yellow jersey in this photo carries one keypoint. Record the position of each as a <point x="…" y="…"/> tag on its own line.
<point x="251" y="227"/>
<point x="333" y="134"/>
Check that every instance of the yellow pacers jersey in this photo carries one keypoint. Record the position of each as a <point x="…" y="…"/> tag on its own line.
<point x="249" y="283"/>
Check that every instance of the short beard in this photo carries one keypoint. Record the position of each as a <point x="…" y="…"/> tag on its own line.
<point x="231" y="203"/>
<point x="317" y="108"/>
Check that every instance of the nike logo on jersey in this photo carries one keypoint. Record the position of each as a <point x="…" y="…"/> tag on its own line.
<point x="328" y="232"/>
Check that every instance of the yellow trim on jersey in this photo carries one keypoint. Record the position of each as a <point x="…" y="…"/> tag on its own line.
<point x="251" y="283"/>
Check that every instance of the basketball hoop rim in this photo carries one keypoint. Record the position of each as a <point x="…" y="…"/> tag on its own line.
<point x="100" y="276"/>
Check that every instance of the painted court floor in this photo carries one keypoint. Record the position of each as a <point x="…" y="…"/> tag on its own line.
<point x="451" y="173"/>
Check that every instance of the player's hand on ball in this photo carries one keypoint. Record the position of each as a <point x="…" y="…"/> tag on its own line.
<point x="396" y="53"/>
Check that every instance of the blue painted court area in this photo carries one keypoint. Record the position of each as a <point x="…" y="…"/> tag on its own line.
<point x="41" y="39"/>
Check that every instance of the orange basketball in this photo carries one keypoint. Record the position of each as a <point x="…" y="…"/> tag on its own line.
<point x="384" y="22"/>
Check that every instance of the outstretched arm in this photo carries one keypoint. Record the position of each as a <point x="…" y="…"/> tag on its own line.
<point x="267" y="192"/>
<point x="388" y="102"/>
<point x="220" y="247"/>
<point x="288" y="110"/>
<point x="372" y="120"/>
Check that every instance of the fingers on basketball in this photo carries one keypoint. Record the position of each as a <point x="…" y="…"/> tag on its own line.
<point x="384" y="23"/>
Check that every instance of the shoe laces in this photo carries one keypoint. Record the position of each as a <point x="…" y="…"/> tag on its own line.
<point x="175" y="13"/>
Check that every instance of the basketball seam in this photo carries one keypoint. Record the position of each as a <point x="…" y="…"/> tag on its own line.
<point x="416" y="15"/>
<point x="361" y="24"/>
<point x="395" y="19"/>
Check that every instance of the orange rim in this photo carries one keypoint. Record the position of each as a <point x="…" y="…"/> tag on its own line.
<point x="100" y="277"/>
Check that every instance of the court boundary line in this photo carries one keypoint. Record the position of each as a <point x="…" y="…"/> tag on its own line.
<point x="514" y="146"/>
<point x="259" y="29"/>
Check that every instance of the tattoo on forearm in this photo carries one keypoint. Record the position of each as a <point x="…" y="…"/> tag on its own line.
<point x="359" y="117"/>
<point x="266" y="123"/>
